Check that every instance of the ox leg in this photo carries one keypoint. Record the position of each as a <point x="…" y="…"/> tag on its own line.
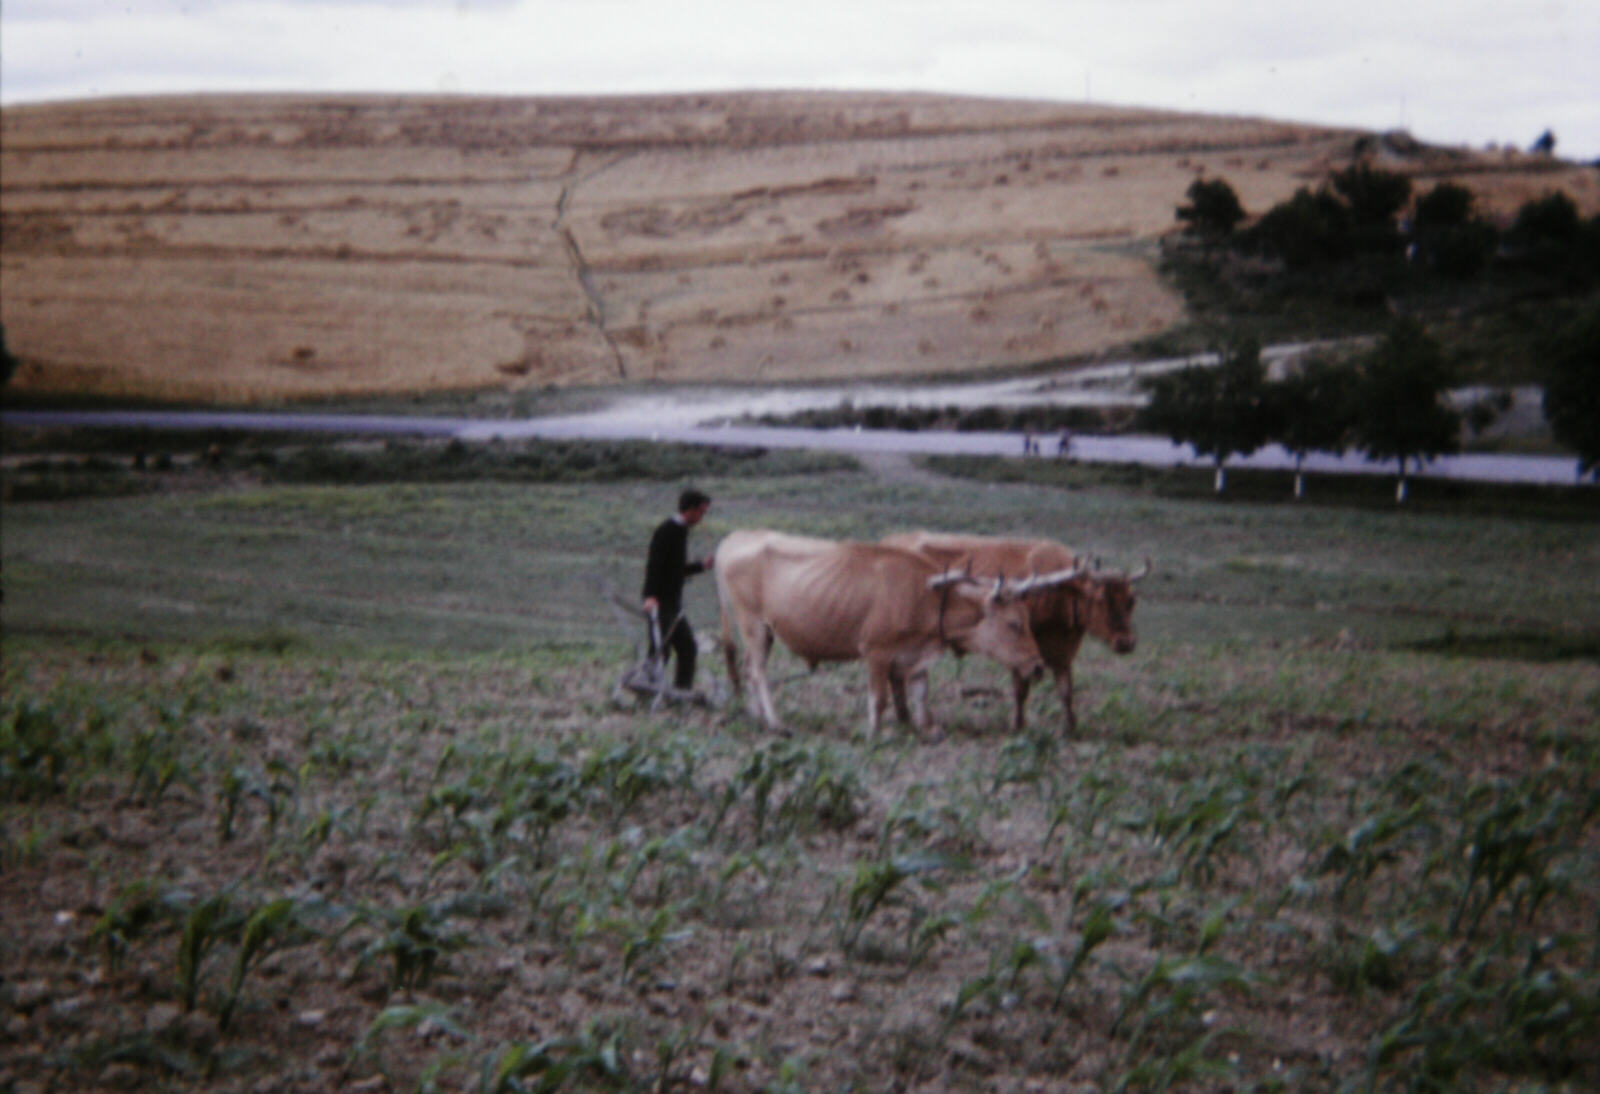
<point x="730" y="655"/>
<point x="919" y="706"/>
<point x="758" y="648"/>
<point x="880" y="676"/>
<point x="1020" y="686"/>
<point x="1064" y="689"/>
<point x="1059" y="649"/>
<point x="897" y="684"/>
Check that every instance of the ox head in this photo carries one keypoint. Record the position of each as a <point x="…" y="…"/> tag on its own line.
<point x="1107" y="607"/>
<point x="987" y="617"/>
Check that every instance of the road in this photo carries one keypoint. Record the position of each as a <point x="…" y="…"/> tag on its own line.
<point x="711" y="423"/>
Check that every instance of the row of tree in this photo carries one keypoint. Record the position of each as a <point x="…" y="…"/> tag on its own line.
<point x="1366" y="214"/>
<point x="1388" y="402"/>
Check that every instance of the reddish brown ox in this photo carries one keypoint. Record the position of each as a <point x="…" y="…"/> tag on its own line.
<point x="841" y="601"/>
<point x="1091" y="603"/>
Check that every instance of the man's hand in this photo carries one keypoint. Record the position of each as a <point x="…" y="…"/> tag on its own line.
<point x="711" y="560"/>
<point x="651" y="605"/>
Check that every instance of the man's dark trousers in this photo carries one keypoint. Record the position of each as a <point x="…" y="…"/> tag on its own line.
<point x="679" y="638"/>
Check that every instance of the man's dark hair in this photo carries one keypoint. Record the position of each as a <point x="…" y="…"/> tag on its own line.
<point x="691" y="499"/>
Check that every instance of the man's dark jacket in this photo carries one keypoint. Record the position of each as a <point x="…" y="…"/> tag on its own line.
<point x="667" y="567"/>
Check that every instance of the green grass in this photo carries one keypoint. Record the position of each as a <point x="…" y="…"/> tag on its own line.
<point x="313" y="784"/>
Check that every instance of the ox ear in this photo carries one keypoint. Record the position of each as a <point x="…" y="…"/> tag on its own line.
<point x="1143" y="573"/>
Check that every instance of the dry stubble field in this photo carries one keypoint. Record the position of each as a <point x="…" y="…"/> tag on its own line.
<point x="249" y="249"/>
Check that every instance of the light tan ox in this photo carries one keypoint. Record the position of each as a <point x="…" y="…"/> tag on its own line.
<point x="1089" y="603"/>
<point x="845" y="601"/>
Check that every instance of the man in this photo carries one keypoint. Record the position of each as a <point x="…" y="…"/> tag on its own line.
<point x="665" y="571"/>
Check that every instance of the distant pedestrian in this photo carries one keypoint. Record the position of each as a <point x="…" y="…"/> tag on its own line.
<point x="1064" y="445"/>
<point x="667" y="567"/>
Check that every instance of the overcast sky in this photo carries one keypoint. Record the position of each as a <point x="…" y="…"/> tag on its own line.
<point x="1470" y="72"/>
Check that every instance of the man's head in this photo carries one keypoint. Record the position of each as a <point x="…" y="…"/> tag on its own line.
<point x="692" y="506"/>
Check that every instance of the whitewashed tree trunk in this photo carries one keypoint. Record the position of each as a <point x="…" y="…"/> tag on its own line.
<point x="1221" y="479"/>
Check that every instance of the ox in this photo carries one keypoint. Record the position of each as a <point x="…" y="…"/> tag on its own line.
<point x="843" y="601"/>
<point x="1090" y="602"/>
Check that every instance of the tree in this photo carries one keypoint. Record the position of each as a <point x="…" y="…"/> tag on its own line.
<point x="1313" y="410"/>
<point x="1450" y="236"/>
<point x="1550" y="236"/>
<point x="1220" y="410"/>
<point x="1213" y="210"/>
<point x="1572" y="389"/>
<point x="1548" y="221"/>
<point x="1400" y="413"/>
<point x="1375" y="198"/>
<point x="8" y="363"/>
<point x="1308" y="229"/>
<point x="1447" y="205"/>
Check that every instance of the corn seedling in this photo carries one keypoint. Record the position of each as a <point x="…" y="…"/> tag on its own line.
<point x="1205" y="824"/>
<point x="1512" y="848"/>
<point x="156" y="761"/>
<point x="274" y="926"/>
<point x="1098" y="927"/>
<point x="1385" y="959"/>
<point x="136" y="911"/>
<point x="921" y="824"/>
<point x="823" y="790"/>
<point x="672" y="1050"/>
<point x="541" y="793"/>
<point x="415" y="940"/>
<point x="645" y="948"/>
<point x="141" y="1051"/>
<point x="1087" y="800"/>
<point x="586" y="1062"/>
<point x="1191" y="1062"/>
<point x="629" y="773"/>
<point x="422" y="1018"/>
<point x="272" y="789"/>
<point x="875" y="884"/>
<point x="1170" y="996"/>
<point x="36" y="752"/>
<point x="1027" y="759"/>
<point x="1376" y="842"/>
<point x="1488" y="1017"/>
<point x="209" y="922"/>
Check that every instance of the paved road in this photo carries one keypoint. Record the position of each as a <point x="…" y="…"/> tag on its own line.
<point x="709" y="425"/>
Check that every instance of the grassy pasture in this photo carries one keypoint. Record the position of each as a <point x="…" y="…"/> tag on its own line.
<point x="317" y="785"/>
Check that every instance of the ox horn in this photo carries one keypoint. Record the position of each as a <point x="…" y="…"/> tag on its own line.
<point x="1143" y="573"/>
<point x="1046" y="581"/>
<point x="939" y="581"/>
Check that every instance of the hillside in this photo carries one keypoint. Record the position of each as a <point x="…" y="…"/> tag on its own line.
<point x="254" y="248"/>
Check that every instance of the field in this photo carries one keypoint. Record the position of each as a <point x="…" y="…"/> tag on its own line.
<point x="317" y="784"/>
<point x="256" y="249"/>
